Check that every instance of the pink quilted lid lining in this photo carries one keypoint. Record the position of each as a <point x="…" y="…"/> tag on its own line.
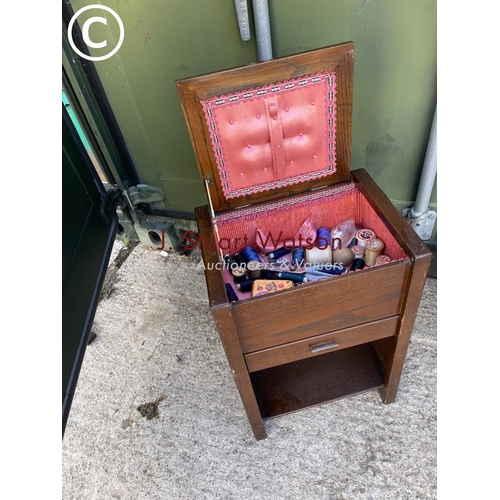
<point x="274" y="136"/>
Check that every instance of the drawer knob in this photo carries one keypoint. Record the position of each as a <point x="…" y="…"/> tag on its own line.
<point x="323" y="347"/>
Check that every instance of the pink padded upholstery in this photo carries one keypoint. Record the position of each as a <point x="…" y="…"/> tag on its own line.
<point x="274" y="136"/>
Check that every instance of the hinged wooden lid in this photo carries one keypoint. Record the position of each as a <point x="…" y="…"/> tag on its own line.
<point x="272" y="129"/>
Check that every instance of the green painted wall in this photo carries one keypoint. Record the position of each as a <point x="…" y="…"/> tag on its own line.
<point x="394" y="89"/>
<point x="394" y="78"/>
<point x="164" y="40"/>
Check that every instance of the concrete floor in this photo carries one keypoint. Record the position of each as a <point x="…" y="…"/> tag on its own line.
<point x="156" y="337"/>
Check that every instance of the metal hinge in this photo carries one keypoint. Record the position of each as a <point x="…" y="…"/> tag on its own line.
<point x="209" y="179"/>
<point x="111" y="200"/>
<point x="116" y="197"/>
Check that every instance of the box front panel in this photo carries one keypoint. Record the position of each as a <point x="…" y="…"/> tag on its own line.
<point x="316" y="308"/>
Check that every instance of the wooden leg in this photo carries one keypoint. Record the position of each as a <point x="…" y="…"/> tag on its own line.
<point x="393" y="354"/>
<point x="412" y="301"/>
<point x="229" y="337"/>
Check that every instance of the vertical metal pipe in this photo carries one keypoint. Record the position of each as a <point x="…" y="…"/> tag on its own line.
<point x="262" y="30"/>
<point x="428" y="175"/>
<point x="242" y="14"/>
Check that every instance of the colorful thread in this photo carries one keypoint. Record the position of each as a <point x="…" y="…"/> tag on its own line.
<point x="254" y="269"/>
<point x="318" y="255"/>
<point x="296" y="278"/>
<point x="249" y="254"/>
<point x="245" y="285"/>
<point x="323" y="238"/>
<point x="231" y="264"/>
<point x="231" y="294"/>
<point x="298" y="257"/>
<point x="238" y="274"/>
<point x="240" y="260"/>
<point x="279" y="252"/>
<point x="357" y="264"/>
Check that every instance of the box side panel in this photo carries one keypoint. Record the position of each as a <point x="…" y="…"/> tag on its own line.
<point x="386" y="213"/>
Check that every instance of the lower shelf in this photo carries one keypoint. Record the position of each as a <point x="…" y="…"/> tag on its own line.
<point x="313" y="381"/>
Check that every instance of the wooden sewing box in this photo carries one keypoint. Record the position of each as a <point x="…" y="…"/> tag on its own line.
<point x="273" y="146"/>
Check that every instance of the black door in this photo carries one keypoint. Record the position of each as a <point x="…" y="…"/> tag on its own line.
<point x="89" y="223"/>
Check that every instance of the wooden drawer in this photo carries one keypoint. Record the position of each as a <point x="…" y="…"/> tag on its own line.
<point x="320" y="344"/>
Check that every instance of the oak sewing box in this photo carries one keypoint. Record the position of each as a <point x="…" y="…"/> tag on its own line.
<point x="273" y="145"/>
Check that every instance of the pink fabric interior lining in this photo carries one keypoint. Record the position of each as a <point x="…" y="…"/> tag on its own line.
<point x="274" y="136"/>
<point x="237" y="231"/>
<point x="241" y="231"/>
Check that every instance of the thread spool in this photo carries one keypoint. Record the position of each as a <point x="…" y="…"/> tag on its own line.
<point x="296" y="278"/>
<point x="268" y="275"/>
<point x="313" y="277"/>
<point x="383" y="259"/>
<point x="249" y="254"/>
<point x="238" y="274"/>
<point x="254" y="268"/>
<point x="364" y="235"/>
<point x="245" y="285"/>
<point x="373" y="249"/>
<point x="230" y="263"/>
<point x="358" y="251"/>
<point x="318" y="255"/>
<point x="239" y="259"/>
<point x="357" y="264"/>
<point x="298" y="257"/>
<point x="231" y="294"/>
<point x="279" y="252"/>
<point x="319" y="274"/>
<point x="328" y="270"/>
<point x="343" y="256"/>
<point x="323" y="238"/>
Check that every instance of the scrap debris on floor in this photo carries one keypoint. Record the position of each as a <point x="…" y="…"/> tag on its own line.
<point x="150" y="410"/>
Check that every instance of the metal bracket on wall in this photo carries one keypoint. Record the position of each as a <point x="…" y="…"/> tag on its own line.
<point x="118" y="199"/>
<point x="135" y="224"/>
<point x="144" y="193"/>
<point x="422" y="224"/>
